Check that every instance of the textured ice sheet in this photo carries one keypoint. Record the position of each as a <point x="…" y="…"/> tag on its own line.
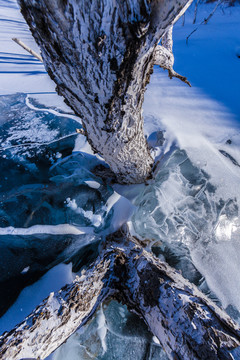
<point x="191" y="226"/>
<point x="52" y="206"/>
<point x="114" y="333"/>
<point x="191" y="214"/>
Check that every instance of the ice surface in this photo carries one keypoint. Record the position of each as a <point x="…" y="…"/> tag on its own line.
<point x="51" y="204"/>
<point x="54" y="209"/>
<point x="189" y="224"/>
<point x="124" y="336"/>
<point x="192" y="207"/>
<point x="40" y="174"/>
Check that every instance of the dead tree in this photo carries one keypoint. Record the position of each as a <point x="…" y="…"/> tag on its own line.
<point x="101" y="55"/>
<point x="188" y="325"/>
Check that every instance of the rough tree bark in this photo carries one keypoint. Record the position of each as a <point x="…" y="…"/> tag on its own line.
<point x="164" y="56"/>
<point x="188" y="325"/>
<point x="100" y="53"/>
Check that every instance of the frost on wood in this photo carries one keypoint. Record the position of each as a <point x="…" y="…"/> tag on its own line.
<point x="58" y="316"/>
<point x="188" y="325"/>
<point x="163" y="56"/>
<point x="100" y="53"/>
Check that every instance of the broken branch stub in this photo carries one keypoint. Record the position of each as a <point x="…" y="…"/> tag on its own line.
<point x="28" y="49"/>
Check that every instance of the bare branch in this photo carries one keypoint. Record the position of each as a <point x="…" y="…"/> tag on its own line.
<point x="27" y="48"/>
<point x="172" y="73"/>
<point x="212" y="13"/>
<point x="164" y="57"/>
<point x="206" y="20"/>
<point x="195" y="11"/>
<point x="183" y="19"/>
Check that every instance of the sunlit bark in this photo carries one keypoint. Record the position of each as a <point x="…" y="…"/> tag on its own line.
<point x="188" y="325"/>
<point x="100" y="53"/>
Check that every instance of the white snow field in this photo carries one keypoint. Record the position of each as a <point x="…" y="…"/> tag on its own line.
<point x="54" y="210"/>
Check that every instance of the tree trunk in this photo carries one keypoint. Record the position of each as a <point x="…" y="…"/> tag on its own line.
<point x="188" y="325"/>
<point x="100" y="53"/>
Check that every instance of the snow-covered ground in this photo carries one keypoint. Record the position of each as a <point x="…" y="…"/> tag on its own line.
<point x="51" y="198"/>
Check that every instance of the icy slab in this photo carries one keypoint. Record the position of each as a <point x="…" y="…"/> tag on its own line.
<point x="191" y="214"/>
<point x="114" y="333"/>
<point x="52" y="206"/>
<point x="188" y="224"/>
<point x="192" y="210"/>
<point x="42" y="180"/>
<point x="24" y="124"/>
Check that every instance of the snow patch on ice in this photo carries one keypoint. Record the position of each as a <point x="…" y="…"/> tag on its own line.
<point x="96" y="220"/>
<point x="32" y="131"/>
<point x="93" y="184"/>
<point x="60" y="229"/>
<point x="32" y="295"/>
<point x="25" y="270"/>
<point x="123" y="210"/>
<point x="51" y="111"/>
<point x="102" y="328"/>
<point x="81" y="144"/>
<point x="155" y="339"/>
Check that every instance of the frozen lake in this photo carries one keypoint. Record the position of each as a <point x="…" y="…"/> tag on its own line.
<point x="55" y="209"/>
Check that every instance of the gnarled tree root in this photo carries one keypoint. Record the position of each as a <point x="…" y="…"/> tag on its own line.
<point x="187" y="324"/>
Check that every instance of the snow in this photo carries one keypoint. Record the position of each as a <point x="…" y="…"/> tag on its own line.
<point x="190" y="210"/>
<point x="20" y="71"/>
<point x="123" y="209"/>
<point x="60" y="229"/>
<point x="93" y="184"/>
<point x="25" y="270"/>
<point x="96" y="220"/>
<point x="102" y="328"/>
<point x="212" y="52"/>
<point x="204" y="121"/>
<point x="49" y="103"/>
<point x="32" y="295"/>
